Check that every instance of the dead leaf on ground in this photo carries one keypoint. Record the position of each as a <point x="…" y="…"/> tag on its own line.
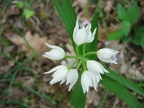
<point x="34" y="40"/>
<point x="26" y="80"/>
<point x="108" y="6"/>
<point x="82" y="3"/>
<point x="93" y="97"/>
<point x="135" y="75"/>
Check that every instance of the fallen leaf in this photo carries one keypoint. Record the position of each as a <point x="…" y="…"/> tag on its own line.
<point x="108" y="6"/>
<point x="82" y="3"/>
<point x="135" y="74"/>
<point x="35" y="41"/>
<point x="93" y="97"/>
<point x="26" y="80"/>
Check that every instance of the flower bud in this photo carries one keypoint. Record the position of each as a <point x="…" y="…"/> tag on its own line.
<point x="56" y="53"/>
<point x="95" y="67"/>
<point x="106" y="55"/>
<point x="83" y="34"/>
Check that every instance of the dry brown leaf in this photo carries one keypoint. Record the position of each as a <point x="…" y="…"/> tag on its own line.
<point x="82" y="3"/>
<point x="34" y="40"/>
<point x="26" y="80"/>
<point x="17" y="94"/>
<point x="135" y="74"/>
<point x="93" y="97"/>
<point x="108" y="6"/>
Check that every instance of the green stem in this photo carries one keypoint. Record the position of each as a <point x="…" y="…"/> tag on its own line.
<point x="90" y="53"/>
<point x="84" y="47"/>
<point x="78" y="66"/>
<point x="84" y="65"/>
<point x="71" y="65"/>
<point x="70" y="56"/>
<point x="77" y="50"/>
<point x="77" y="57"/>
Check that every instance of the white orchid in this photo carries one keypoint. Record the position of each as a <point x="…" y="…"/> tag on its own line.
<point x="83" y="34"/>
<point x="61" y="73"/>
<point x="95" y="67"/>
<point x="71" y="78"/>
<point x="106" y="55"/>
<point x="56" y="53"/>
<point x="88" y="79"/>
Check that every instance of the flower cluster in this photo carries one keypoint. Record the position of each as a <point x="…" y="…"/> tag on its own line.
<point x="92" y="69"/>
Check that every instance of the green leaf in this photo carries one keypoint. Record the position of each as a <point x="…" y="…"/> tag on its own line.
<point x="126" y="27"/>
<point x="127" y="39"/>
<point x="125" y="82"/>
<point x="78" y="98"/>
<point x="28" y="13"/>
<point x="79" y="101"/>
<point x="121" y="12"/>
<point x="121" y="92"/>
<point x="89" y="47"/>
<point x="117" y="35"/>
<point x="67" y="15"/>
<point x="16" y="102"/>
<point x="133" y="13"/>
<point x="139" y="36"/>
<point x="19" y="4"/>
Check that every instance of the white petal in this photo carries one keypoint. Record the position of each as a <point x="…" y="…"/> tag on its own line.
<point x="108" y="60"/>
<point x="105" y="55"/>
<point x="56" y="68"/>
<point x="55" y="47"/>
<point x="106" y="52"/>
<point x="56" y="53"/>
<point x="85" y="82"/>
<point x="76" y="28"/>
<point x="58" y="76"/>
<point x="94" y="66"/>
<point x="94" y="32"/>
<point x="80" y="36"/>
<point x="103" y="68"/>
<point x="71" y="77"/>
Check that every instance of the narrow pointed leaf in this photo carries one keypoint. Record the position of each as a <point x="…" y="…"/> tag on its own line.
<point x="125" y="82"/>
<point x="78" y="98"/>
<point x="121" y="92"/>
<point x="93" y="45"/>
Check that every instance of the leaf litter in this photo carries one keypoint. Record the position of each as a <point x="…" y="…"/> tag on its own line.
<point x="46" y="27"/>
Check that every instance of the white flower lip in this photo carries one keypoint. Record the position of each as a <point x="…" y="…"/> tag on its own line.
<point x="95" y="67"/>
<point x="88" y="79"/>
<point x="106" y="54"/>
<point x="83" y="35"/>
<point x="56" y="53"/>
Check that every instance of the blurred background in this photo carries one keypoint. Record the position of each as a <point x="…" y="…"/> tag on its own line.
<point x="25" y="27"/>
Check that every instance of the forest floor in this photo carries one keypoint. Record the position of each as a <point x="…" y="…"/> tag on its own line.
<point x="22" y="44"/>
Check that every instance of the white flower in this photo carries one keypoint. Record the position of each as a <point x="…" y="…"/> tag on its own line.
<point x="61" y="73"/>
<point x="83" y="35"/>
<point x="95" y="67"/>
<point x="106" y="55"/>
<point x="88" y="79"/>
<point x="56" y="53"/>
<point x="71" y="78"/>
